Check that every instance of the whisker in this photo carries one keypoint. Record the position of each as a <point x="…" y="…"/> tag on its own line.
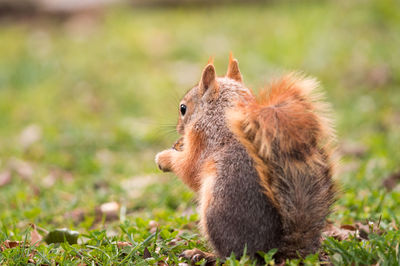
<point x="167" y="125"/>
<point x="165" y="133"/>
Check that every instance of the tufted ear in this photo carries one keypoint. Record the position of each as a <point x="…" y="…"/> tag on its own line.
<point x="233" y="69"/>
<point x="208" y="81"/>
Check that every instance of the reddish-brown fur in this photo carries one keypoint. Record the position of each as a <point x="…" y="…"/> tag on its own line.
<point x="289" y="138"/>
<point x="186" y="163"/>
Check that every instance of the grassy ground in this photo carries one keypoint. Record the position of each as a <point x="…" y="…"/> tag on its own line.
<point x="85" y="103"/>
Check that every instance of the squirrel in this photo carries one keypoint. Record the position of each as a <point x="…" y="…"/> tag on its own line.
<point x="260" y="164"/>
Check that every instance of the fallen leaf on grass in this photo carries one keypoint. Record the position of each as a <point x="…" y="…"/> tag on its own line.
<point x="122" y="244"/>
<point x="5" y="178"/>
<point x="13" y="244"/>
<point x="337" y="233"/>
<point x="10" y="244"/>
<point x="369" y="228"/>
<point x="359" y="230"/>
<point x="146" y="253"/>
<point x="36" y="238"/>
<point x="348" y="227"/>
<point x="391" y="181"/>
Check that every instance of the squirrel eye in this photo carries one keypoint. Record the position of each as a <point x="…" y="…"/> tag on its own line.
<point x="182" y="108"/>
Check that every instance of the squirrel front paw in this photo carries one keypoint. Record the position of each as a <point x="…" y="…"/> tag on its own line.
<point x="196" y="255"/>
<point x="163" y="160"/>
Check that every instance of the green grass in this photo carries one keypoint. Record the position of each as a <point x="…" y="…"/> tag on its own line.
<point x="103" y="94"/>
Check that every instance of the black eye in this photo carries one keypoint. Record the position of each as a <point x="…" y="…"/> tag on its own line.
<point x="182" y="108"/>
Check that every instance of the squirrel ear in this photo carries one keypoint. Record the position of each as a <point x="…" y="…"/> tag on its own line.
<point x="211" y="60"/>
<point x="208" y="80"/>
<point x="233" y="69"/>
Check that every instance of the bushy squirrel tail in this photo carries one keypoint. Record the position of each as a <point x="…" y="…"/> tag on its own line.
<point x="288" y="133"/>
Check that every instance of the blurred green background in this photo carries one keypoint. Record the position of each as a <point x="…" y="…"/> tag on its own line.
<point x="88" y="97"/>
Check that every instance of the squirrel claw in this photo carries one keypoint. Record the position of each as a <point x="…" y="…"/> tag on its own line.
<point x="196" y="255"/>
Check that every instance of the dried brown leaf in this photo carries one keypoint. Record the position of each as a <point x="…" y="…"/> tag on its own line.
<point x="359" y="230"/>
<point x="121" y="244"/>
<point x="348" y="227"/>
<point x="337" y="232"/>
<point x="13" y="244"/>
<point x="36" y="238"/>
<point x="146" y="253"/>
<point x="369" y="228"/>
<point x="10" y="244"/>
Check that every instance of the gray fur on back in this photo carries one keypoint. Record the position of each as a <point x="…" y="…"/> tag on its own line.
<point x="240" y="214"/>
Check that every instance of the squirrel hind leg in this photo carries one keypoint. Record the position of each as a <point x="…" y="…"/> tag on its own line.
<point x="195" y="255"/>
